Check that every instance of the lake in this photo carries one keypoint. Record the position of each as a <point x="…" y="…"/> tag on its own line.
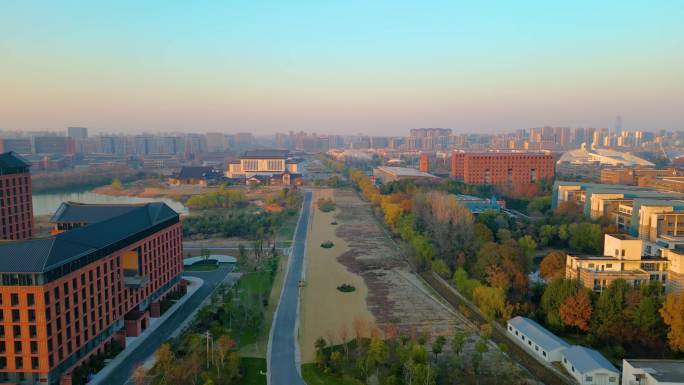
<point x="47" y="204"/>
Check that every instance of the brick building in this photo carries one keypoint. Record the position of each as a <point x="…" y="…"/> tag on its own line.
<point x="513" y="172"/>
<point x="66" y="297"/>
<point x="424" y="165"/>
<point x="16" y="208"/>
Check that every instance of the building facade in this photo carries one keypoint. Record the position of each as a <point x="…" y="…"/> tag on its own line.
<point x="261" y="163"/>
<point x="515" y="172"/>
<point x="16" y="206"/>
<point x="66" y="297"/>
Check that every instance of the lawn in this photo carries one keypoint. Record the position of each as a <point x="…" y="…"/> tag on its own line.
<point x="255" y="284"/>
<point x="314" y="376"/>
<point x="209" y="265"/>
<point x="251" y="369"/>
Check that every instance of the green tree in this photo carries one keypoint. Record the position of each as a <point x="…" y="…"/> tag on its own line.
<point x="458" y="341"/>
<point x="438" y="345"/>
<point x="554" y="296"/>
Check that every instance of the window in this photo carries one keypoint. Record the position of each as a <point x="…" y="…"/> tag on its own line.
<point x="31" y="299"/>
<point x="15" y="316"/>
<point x="589" y="379"/>
<point x="14" y="298"/>
<point x="612" y="379"/>
<point x="543" y="353"/>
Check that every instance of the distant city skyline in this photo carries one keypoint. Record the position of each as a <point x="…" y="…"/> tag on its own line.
<point x="377" y="68"/>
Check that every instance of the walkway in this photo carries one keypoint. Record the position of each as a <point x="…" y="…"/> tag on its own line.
<point x="121" y="374"/>
<point x="283" y="349"/>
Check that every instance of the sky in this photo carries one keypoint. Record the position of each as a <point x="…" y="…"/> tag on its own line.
<point x="372" y="67"/>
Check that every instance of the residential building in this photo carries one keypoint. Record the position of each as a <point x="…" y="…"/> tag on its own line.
<point x="652" y="372"/>
<point x="536" y="339"/>
<point x="16" y="206"/>
<point x="66" y="297"/>
<point x="622" y="259"/>
<point x="53" y="144"/>
<point x="514" y="172"/>
<point x="391" y="174"/>
<point x="17" y="145"/>
<point x="78" y="133"/>
<point x="589" y="367"/>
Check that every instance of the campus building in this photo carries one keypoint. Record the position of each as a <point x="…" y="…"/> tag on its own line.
<point x="64" y="298"/>
<point x="16" y="207"/>
<point x="392" y="174"/>
<point x="652" y="372"/>
<point x="263" y="163"/>
<point x="622" y="258"/>
<point x="515" y="172"/>
<point x="194" y="176"/>
<point x="589" y="367"/>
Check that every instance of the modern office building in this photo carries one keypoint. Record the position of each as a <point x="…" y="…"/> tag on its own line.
<point x="16" y="206"/>
<point x="64" y="298"/>
<point x="261" y="163"/>
<point x="515" y="172"/>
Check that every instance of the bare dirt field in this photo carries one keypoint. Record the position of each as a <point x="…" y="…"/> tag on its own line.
<point x="387" y="292"/>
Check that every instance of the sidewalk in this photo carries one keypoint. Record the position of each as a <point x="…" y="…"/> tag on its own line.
<point x="133" y="342"/>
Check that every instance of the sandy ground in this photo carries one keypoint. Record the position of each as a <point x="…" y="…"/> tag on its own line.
<point x="325" y="311"/>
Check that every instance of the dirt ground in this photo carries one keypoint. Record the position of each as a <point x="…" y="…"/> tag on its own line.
<point x="387" y="292"/>
<point x="325" y="311"/>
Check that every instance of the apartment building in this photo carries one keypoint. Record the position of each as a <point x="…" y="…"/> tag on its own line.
<point x="16" y="206"/>
<point x="64" y="298"/>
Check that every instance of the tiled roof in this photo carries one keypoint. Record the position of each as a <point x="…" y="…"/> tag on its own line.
<point x="538" y="334"/>
<point x="12" y="160"/>
<point x="74" y="212"/>
<point x="194" y="172"/>
<point x="41" y="255"/>
<point x="585" y="360"/>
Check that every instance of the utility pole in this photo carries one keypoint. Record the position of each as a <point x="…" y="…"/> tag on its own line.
<point x="208" y="335"/>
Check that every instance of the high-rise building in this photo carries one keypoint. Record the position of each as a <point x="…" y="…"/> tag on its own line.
<point x="78" y="133"/>
<point x="67" y="297"/>
<point x="514" y="172"/>
<point x="53" y="144"/>
<point x="16" y="207"/>
<point x="18" y="145"/>
<point x="424" y="165"/>
<point x="115" y="145"/>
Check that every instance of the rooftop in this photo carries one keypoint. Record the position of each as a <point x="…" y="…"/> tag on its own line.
<point x="45" y="254"/>
<point x="537" y="333"/>
<point x="405" y="171"/>
<point x="585" y="360"/>
<point x="194" y="172"/>
<point x="623" y="237"/>
<point x="671" y="371"/>
<point x="10" y="160"/>
<point x="74" y="212"/>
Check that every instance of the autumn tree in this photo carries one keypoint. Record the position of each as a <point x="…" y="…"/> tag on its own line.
<point x="492" y="302"/>
<point x="673" y="315"/>
<point x="554" y="296"/>
<point x="552" y="266"/>
<point x="576" y="310"/>
<point x="139" y="375"/>
<point x="165" y="361"/>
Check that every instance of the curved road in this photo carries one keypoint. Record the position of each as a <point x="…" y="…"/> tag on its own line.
<point x="283" y="352"/>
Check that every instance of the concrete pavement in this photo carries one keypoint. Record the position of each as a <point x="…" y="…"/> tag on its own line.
<point x="283" y="348"/>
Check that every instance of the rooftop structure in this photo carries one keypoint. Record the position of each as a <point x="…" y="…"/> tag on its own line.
<point x="589" y="367"/>
<point x="652" y="372"/>
<point x="389" y="174"/>
<point x="16" y="206"/>
<point x="603" y="156"/>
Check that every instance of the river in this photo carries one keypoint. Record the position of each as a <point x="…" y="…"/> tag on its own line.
<point x="47" y="203"/>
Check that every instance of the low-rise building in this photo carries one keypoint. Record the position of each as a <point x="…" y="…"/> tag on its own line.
<point x="622" y="259"/>
<point x="536" y="339"/>
<point x="589" y="367"/>
<point x="391" y="174"/>
<point x="194" y="176"/>
<point x="262" y="163"/>
<point x="652" y="372"/>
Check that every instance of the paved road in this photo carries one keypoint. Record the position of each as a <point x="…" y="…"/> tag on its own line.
<point x="121" y="375"/>
<point x="282" y="360"/>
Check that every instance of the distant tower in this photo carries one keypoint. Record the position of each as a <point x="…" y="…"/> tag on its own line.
<point x="424" y="163"/>
<point x="618" y="125"/>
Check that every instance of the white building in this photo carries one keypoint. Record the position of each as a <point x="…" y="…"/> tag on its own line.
<point x="603" y="156"/>
<point x="589" y="367"/>
<point x="537" y="339"/>
<point x="652" y="372"/>
<point x="261" y="163"/>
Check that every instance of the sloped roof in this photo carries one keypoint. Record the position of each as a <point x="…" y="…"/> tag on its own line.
<point x="670" y="371"/>
<point x="266" y="154"/>
<point x="12" y="160"/>
<point x="194" y="172"/>
<point x="586" y="360"/>
<point x="74" y="212"/>
<point x="538" y="334"/>
<point x="41" y="255"/>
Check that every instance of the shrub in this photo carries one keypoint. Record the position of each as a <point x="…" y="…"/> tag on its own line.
<point x="326" y="205"/>
<point x="327" y="244"/>
<point x="346" y="288"/>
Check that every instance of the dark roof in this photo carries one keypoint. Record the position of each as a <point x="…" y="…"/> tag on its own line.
<point x="194" y="172"/>
<point x="74" y="212"/>
<point x="10" y="160"/>
<point x="266" y="154"/>
<point x="41" y="255"/>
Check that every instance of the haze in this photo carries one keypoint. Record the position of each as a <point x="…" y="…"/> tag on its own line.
<point x="343" y="67"/>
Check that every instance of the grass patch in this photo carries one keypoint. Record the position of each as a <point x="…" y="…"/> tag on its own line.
<point x="208" y="265"/>
<point x="314" y="376"/>
<point x="251" y="369"/>
<point x="327" y="244"/>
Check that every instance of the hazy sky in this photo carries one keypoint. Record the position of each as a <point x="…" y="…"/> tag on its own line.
<point x="377" y="67"/>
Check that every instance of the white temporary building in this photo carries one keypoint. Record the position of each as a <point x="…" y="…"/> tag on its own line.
<point x="589" y="367"/>
<point x="537" y="339"/>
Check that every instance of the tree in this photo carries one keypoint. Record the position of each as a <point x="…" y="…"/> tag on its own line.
<point x="554" y="296"/>
<point x="503" y="235"/>
<point x="165" y="360"/>
<point x="609" y="322"/>
<point x="320" y="344"/>
<point x="139" y="375"/>
<point x="441" y="268"/>
<point x="576" y="310"/>
<point x="223" y="348"/>
<point x="491" y="300"/>
<point x="585" y="237"/>
<point x="528" y="246"/>
<point x="458" y="341"/>
<point x="673" y="315"/>
<point x="116" y="184"/>
<point x="438" y="345"/>
<point x="552" y="266"/>
<point x="546" y="234"/>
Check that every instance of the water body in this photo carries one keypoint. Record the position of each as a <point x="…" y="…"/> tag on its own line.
<point x="47" y="204"/>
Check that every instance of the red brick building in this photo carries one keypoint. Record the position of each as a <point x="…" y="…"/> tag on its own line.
<point x="513" y="172"/>
<point x="65" y="298"/>
<point x="424" y="165"/>
<point x="16" y="208"/>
